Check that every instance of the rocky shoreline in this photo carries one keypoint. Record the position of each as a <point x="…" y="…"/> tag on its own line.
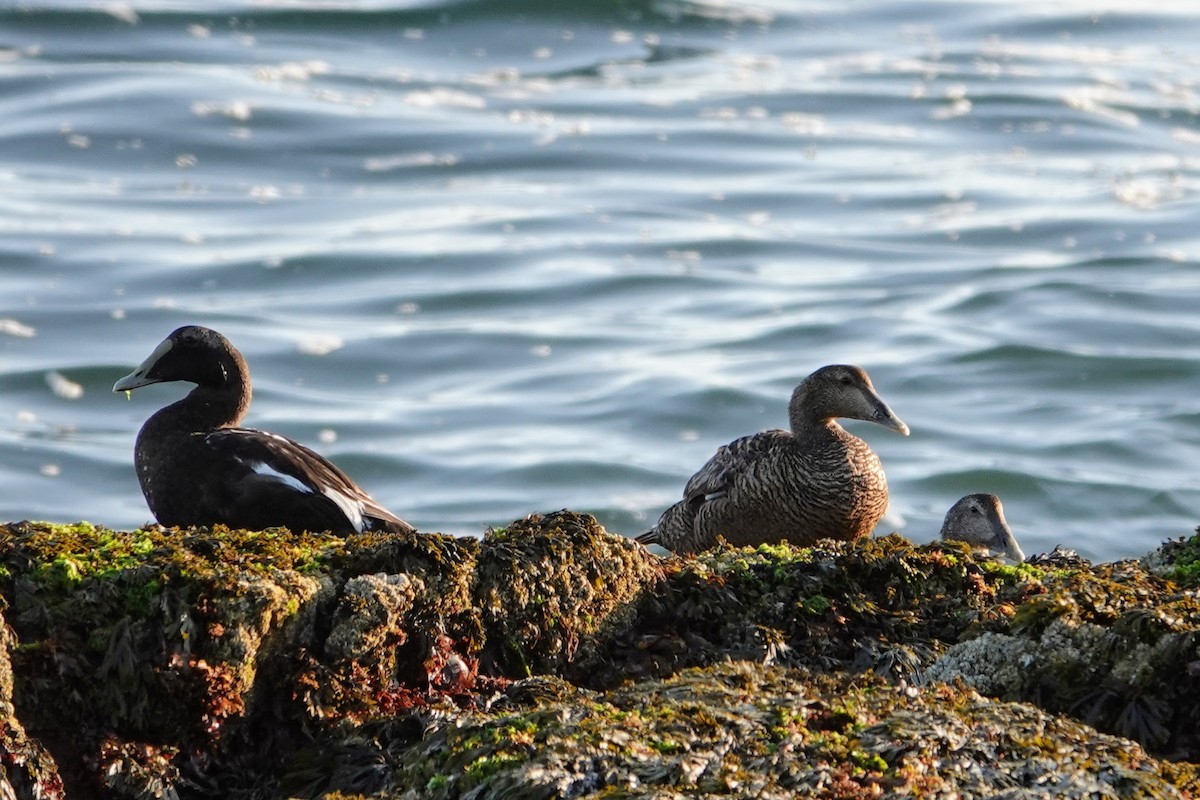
<point x="552" y="659"/>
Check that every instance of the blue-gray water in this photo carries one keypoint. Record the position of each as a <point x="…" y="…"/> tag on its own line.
<point x="495" y="258"/>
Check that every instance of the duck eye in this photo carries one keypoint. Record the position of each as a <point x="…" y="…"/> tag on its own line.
<point x="974" y="509"/>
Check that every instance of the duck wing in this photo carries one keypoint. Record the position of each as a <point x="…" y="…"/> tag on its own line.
<point x="276" y="481"/>
<point x="733" y="461"/>
<point x="729" y="467"/>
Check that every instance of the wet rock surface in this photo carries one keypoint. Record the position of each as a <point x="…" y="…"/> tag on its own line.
<point x="554" y="659"/>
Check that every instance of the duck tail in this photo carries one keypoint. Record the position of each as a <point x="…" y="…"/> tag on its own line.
<point x="649" y="537"/>
<point x="396" y="526"/>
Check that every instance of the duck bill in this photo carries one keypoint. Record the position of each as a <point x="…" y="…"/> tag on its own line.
<point x="141" y="376"/>
<point x="1012" y="551"/>
<point x="885" y="417"/>
<point x="134" y="380"/>
<point x="1007" y="543"/>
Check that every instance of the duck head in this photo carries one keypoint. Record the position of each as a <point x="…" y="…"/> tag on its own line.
<point x="192" y="353"/>
<point x="978" y="520"/>
<point x="840" y="390"/>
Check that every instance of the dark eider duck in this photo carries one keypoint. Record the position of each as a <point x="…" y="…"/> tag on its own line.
<point x="816" y="481"/>
<point x="978" y="520"/>
<point x="197" y="467"/>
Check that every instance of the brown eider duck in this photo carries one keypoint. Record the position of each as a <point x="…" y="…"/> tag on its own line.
<point x="816" y="481"/>
<point x="196" y="467"/>
<point x="978" y="520"/>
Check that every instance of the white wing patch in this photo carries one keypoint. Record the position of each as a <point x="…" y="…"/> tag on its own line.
<point x="291" y="481"/>
<point x="353" y="509"/>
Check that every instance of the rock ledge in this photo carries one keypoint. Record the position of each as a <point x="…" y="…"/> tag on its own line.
<point x="552" y="659"/>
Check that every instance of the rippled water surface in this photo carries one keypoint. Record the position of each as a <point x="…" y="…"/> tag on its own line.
<point x="495" y="258"/>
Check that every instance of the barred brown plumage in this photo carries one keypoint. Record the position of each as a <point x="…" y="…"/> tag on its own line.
<point x="815" y="481"/>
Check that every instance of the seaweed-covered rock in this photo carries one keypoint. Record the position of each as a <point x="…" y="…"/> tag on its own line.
<point x="404" y="632"/>
<point x="1138" y="675"/>
<point x="118" y="627"/>
<point x="262" y="643"/>
<point x="1113" y="644"/>
<point x="305" y="665"/>
<point x="377" y="654"/>
<point x="26" y="769"/>
<point x="369" y="615"/>
<point x="878" y="604"/>
<point x="745" y="730"/>
<point x="446" y="567"/>
<point x="1177" y="559"/>
<point x="550" y="588"/>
